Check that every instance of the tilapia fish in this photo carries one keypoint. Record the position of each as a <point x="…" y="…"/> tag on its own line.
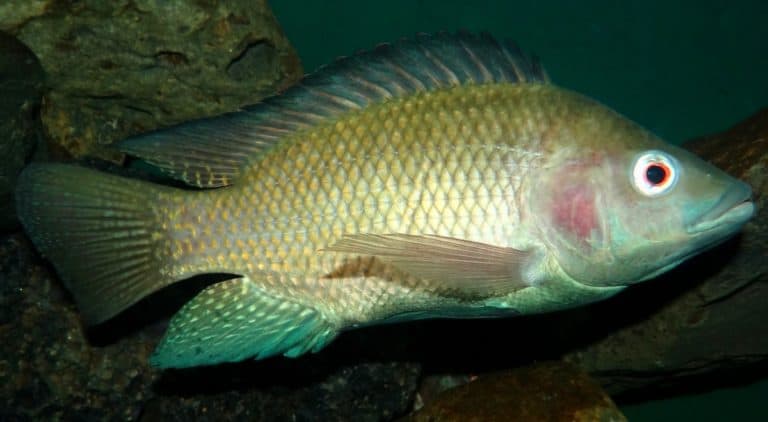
<point x="442" y="176"/>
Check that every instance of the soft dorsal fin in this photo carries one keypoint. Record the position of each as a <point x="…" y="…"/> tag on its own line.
<point x="212" y="152"/>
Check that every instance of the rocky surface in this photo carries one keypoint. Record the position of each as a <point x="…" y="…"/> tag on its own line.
<point x="121" y="67"/>
<point x="48" y="367"/>
<point x="21" y="89"/>
<point x="541" y="392"/>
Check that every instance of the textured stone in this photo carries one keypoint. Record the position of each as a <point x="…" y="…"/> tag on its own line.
<point x="21" y="89"/>
<point x="541" y="392"/>
<point x="358" y="392"/>
<point x="120" y="67"/>
<point x="48" y="367"/>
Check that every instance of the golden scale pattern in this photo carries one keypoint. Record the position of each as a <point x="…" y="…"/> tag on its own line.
<point x="449" y="162"/>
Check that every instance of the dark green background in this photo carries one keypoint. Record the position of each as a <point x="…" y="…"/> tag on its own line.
<point x="680" y="68"/>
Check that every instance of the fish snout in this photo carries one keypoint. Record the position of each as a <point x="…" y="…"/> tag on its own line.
<point x="732" y="209"/>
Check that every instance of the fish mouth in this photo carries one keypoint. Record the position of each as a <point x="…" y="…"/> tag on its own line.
<point x="733" y="209"/>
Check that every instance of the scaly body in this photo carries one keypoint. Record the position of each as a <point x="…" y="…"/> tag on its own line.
<point x="453" y="163"/>
<point x="454" y="182"/>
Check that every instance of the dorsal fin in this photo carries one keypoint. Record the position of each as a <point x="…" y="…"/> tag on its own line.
<point x="212" y="152"/>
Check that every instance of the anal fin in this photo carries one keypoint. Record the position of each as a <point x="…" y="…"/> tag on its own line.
<point x="235" y="320"/>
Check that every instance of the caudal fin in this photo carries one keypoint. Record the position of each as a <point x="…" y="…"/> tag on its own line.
<point x="103" y="234"/>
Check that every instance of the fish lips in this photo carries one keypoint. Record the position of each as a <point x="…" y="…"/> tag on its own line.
<point x="732" y="210"/>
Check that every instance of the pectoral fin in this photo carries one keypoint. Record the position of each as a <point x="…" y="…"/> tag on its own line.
<point x="236" y="320"/>
<point x="456" y="264"/>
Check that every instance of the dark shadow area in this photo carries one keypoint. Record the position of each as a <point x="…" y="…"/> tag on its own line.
<point x="152" y="311"/>
<point x="669" y="385"/>
<point x="273" y="374"/>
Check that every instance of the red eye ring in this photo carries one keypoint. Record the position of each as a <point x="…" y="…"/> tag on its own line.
<point x="654" y="173"/>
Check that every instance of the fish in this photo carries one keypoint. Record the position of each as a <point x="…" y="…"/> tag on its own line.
<point x="439" y="176"/>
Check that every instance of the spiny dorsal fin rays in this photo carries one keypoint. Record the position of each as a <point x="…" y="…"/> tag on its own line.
<point x="212" y="152"/>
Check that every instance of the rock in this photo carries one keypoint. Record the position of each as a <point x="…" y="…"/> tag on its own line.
<point x="542" y="392"/>
<point x="121" y="67"/>
<point x="359" y="392"/>
<point x="21" y="89"/>
<point x="49" y="370"/>
<point x="708" y="318"/>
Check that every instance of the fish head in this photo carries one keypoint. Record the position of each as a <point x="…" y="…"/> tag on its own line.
<point x="619" y="206"/>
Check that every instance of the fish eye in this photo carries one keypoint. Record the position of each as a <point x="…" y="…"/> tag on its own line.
<point x="654" y="173"/>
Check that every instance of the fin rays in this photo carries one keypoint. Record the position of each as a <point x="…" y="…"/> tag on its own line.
<point x="235" y="320"/>
<point x="97" y="231"/>
<point x="459" y="266"/>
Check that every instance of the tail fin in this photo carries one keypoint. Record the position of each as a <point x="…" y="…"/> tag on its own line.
<point x="103" y="234"/>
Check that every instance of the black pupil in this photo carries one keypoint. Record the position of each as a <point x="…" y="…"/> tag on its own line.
<point x="656" y="174"/>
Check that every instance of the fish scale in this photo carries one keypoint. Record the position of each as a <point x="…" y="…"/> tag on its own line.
<point x="437" y="177"/>
<point x="291" y="213"/>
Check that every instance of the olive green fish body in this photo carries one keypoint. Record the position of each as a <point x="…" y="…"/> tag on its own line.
<point x="454" y="163"/>
<point x="442" y="177"/>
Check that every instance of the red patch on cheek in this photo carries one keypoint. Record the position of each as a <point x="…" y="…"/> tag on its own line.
<point x="574" y="211"/>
